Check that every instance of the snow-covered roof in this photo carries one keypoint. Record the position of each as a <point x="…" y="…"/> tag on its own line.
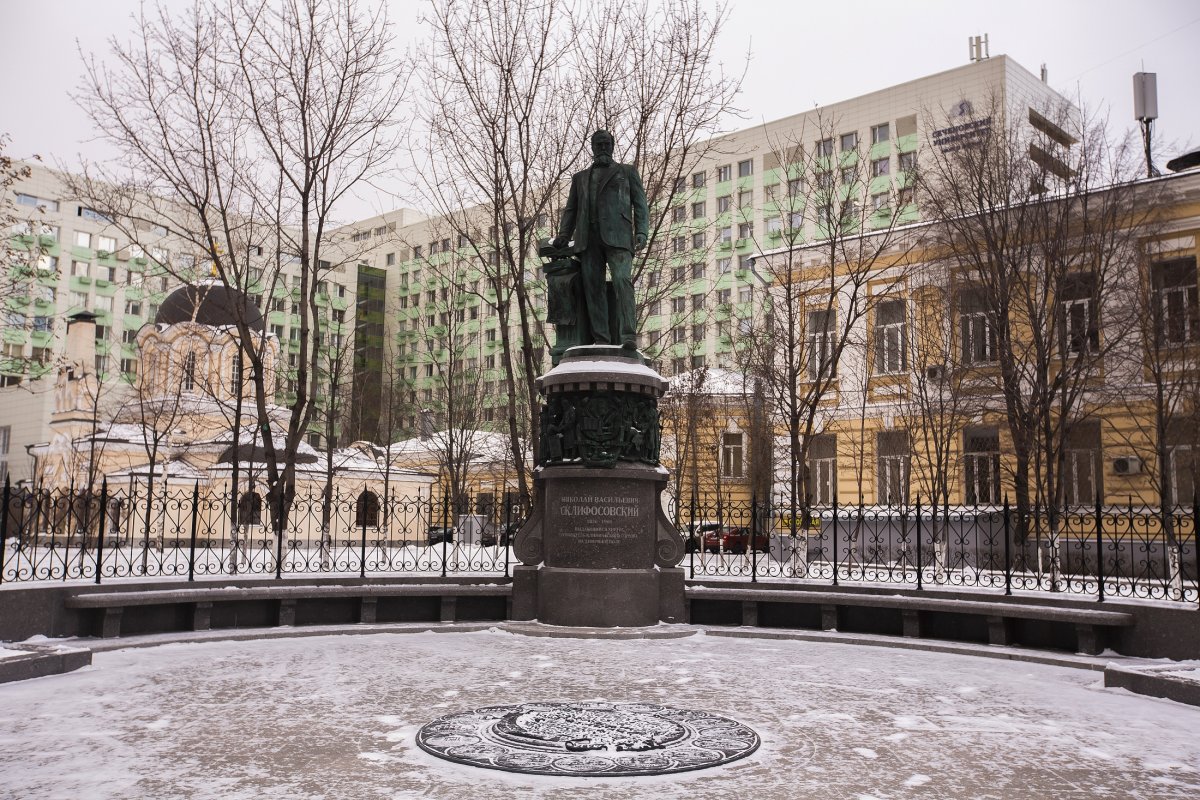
<point x="712" y="381"/>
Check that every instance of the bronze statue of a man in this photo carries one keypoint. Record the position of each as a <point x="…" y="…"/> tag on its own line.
<point x="607" y="218"/>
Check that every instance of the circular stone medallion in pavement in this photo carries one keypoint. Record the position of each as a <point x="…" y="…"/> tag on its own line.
<point x="588" y="739"/>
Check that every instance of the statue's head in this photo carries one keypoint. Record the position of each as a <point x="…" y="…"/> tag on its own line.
<point x="602" y="147"/>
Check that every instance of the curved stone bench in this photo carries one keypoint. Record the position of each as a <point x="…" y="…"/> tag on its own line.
<point x="1089" y="623"/>
<point x="201" y="600"/>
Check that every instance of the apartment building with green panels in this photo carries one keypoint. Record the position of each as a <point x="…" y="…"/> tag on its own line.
<point x="722" y="214"/>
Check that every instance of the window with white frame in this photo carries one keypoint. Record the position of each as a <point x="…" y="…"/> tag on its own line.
<point x="724" y="265"/>
<point x="107" y="244"/>
<point x="1079" y="328"/>
<point x="81" y="269"/>
<point x="746" y="168"/>
<point x="83" y="239"/>
<point x="820" y="339"/>
<point x="188" y="381"/>
<point x="893" y="453"/>
<point x="724" y="173"/>
<point x="724" y="204"/>
<point x="977" y="330"/>
<point x="848" y="141"/>
<point x="881" y="167"/>
<point x="824" y="148"/>
<point x="822" y="469"/>
<point x="1183" y="462"/>
<point x="881" y="133"/>
<point x="1178" y="302"/>
<point x="891" y="337"/>
<point x="733" y="455"/>
<point x="981" y="466"/>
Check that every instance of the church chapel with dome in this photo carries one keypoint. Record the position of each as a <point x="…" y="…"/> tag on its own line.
<point x="179" y="425"/>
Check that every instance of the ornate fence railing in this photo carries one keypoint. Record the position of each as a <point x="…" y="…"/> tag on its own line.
<point x="1106" y="551"/>
<point x="182" y="533"/>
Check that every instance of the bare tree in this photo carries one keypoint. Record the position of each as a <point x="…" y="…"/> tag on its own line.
<point x="240" y="126"/>
<point x="837" y="250"/>
<point x="1033" y="213"/>
<point x="515" y="89"/>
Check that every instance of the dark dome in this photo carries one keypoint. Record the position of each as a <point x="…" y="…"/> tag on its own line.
<point x="209" y="303"/>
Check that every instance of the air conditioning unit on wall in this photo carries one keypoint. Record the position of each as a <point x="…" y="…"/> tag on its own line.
<point x="1127" y="465"/>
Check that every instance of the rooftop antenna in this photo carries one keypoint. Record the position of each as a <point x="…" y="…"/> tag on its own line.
<point x="977" y="48"/>
<point x="1145" y="111"/>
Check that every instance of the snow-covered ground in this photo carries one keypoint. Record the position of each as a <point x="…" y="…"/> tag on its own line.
<point x="335" y="717"/>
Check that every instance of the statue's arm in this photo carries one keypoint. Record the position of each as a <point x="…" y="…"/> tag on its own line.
<point x="566" y="225"/>
<point x="641" y="211"/>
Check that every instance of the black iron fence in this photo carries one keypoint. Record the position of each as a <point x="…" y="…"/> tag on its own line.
<point x="176" y="532"/>
<point x="185" y="533"/>
<point x="1107" y="551"/>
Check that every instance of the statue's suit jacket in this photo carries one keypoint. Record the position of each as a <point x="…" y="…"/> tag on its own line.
<point x="621" y="209"/>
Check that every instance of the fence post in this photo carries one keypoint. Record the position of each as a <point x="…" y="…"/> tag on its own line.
<point x="445" y="533"/>
<point x="362" y="548"/>
<point x="279" y="536"/>
<point x="1007" y="549"/>
<point x="1099" y="553"/>
<point x="1195" y="537"/>
<point x="918" y="535"/>
<point x="192" y="542"/>
<point x="753" y="538"/>
<point x="505" y="537"/>
<point x="103" y="525"/>
<point x="835" y="537"/>
<point x="4" y="512"/>
<point x="692" y="531"/>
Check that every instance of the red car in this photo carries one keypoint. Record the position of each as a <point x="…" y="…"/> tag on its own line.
<point x="729" y="539"/>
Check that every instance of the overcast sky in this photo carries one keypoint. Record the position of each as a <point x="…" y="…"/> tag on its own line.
<point x="802" y="54"/>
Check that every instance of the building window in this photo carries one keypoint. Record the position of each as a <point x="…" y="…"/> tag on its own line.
<point x="698" y="210"/>
<point x="249" y="509"/>
<point x="848" y="141"/>
<point x="1081" y="474"/>
<point x="824" y="148"/>
<point x="733" y="458"/>
<point x="390" y="259"/>
<point x="880" y="133"/>
<point x="698" y="180"/>
<point x="881" y="167"/>
<point x="679" y="273"/>
<point x="1079" y="330"/>
<point x="981" y="466"/>
<point x="907" y="162"/>
<point x="678" y="214"/>
<point x="822" y="469"/>
<point x="745" y="230"/>
<point x="746" y="198"/>
<point x="891" y="337"/>
<point x="906" y="197"/>
<point x="5" y="443"/>
<point x="724" y="265"/>
<point x="745" y="294"/>
<point x="724" y="296"/>
<point x="892" y="450"/>
<point x="697" y="270"/>
<point x="679" y="244"/>
<point x="188" y="383"/>
<point x="1178" y="303"/>
<point x="820" y="344"/>
<point x="698" y="332"/>
<point x="724" y="173"/>
<point x="849" y="176"/>
<point x="678" y="335"/>
<point x="680" y="185"/>
<point x="725" y="235"/>
<point x="698" y="241"/>
<point x="746" y="168"/>
<point x="1183" y="461"/>
<point x="879" y="202"/>
<point x="678" y="305"/>
<point x="83" y="239"/>
<point x="106" y="244"/>
<point x="724" y="203"/>
<point x="774" y="225"/>
<point x="366" y="510"/>
<point x="698" y="302"/>
<point x="976" y="328"/>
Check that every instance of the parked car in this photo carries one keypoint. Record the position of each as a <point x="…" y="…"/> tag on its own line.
<point x="730" y="539"/>
<point x="694" y="534"/>
<point x="437" y="534"/>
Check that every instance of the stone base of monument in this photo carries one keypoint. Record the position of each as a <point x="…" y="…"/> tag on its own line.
<point x="598" y="550"/>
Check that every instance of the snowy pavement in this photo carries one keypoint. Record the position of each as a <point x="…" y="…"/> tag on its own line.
<point x="335" y="717"/>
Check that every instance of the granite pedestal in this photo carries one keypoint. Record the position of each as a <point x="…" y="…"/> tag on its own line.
<point x="598" y="551"/>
